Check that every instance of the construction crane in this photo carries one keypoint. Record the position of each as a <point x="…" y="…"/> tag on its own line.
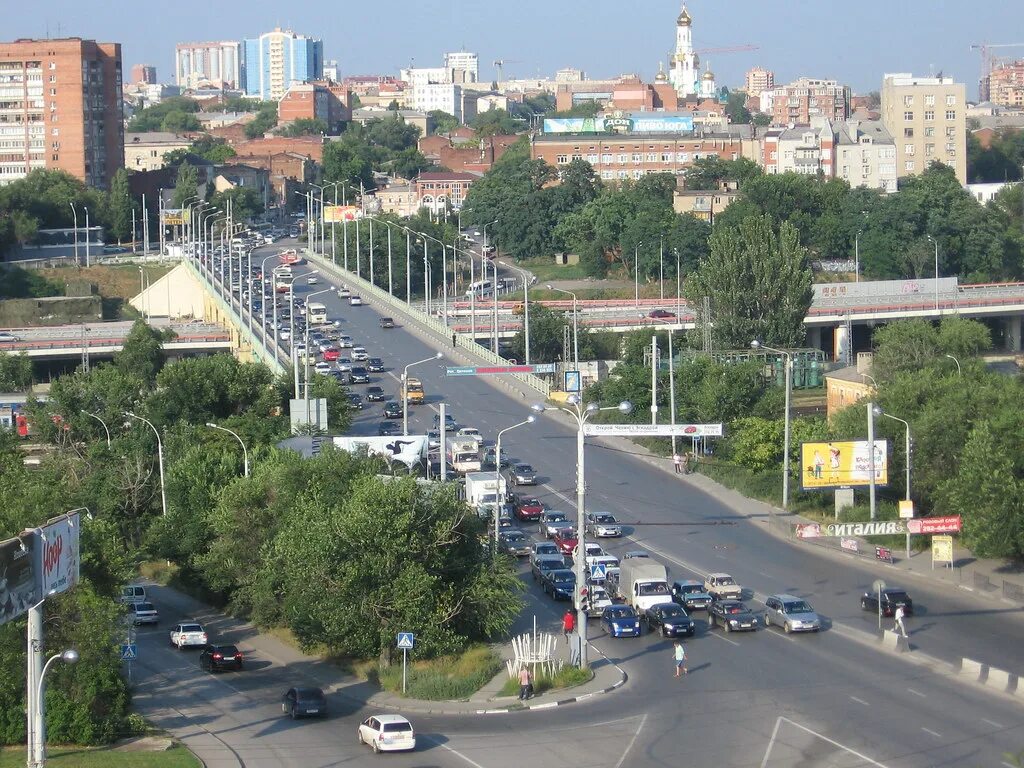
<point x="987" y="59"/>
<point x="729" y="49"/>
<point x="500" y="66"/>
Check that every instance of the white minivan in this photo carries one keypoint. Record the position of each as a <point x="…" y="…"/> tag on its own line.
<point x="133" y="593"/>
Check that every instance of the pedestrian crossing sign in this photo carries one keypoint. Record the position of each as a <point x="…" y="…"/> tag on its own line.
<point x="129" y="652"/>
<point x="598" y="572"/>
<point x="406" y="640"/>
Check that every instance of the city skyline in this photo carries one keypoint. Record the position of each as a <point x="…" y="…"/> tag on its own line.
<point x="904" y="37"/>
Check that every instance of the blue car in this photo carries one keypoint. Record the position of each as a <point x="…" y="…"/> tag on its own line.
<point x="621" y="621"/>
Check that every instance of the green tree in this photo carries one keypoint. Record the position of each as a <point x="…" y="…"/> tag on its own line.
<point x="304" y="127"/>
<point x="179" y="109"/>
<point x="246" y="203"/>
<point x="709" y="172"/>
<point x="266" y="118"/>
<point x="495" y="122"/>
<point x="122" y="207"/>
<point x="759" y="284"/>
<point x="736" y="108"/>
<point x="141" y="354"/>
<point x="350" y="162"/>
<point x="339" y="411"/>
<point x="910" y="345"/>
<point x="186" y="185"/>
<point x="15" y="372"/>
<point x="547" y="332"/>
<point x="443" y="122"/>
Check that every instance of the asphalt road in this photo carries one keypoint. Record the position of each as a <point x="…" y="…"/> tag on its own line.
<point x="759" y="699"/>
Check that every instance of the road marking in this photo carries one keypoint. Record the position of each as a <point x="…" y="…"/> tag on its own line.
<point x="993" y="723"/>
<point x="821" y="736"/>
<point x="593" y="725"/>
<point x="454" y="751"/>
<point x="726" y="639"/>
<point x="933" y="733"/>
<point x="917" y="693"/>
<point x="631" y="742"/>
<point x="860" y="701"/>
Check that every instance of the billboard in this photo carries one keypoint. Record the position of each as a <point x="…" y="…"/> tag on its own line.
<point x="926" y="526"/>
<point x="18" y="584"/>
<point x="407" y="449"/>
<point x="654" y="430"/>
<point x="57" y="555"/>
<point x="336" y="214"/>
<point x="842" y="464"/>
<point x="173" y="217"/>
<point x="622" y="122"/>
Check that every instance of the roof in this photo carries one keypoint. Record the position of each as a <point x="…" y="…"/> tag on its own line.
<point x="155" y="137"/>
<point x="849" y="373"/>
<point x="443" y="176"/>
<point x="390" y="718"/>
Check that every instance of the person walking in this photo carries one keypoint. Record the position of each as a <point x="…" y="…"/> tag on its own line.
<point x="680" y="656"/>
<point x="454" y="339"/>
<point x="898" y="625"/>
<point x="568" y="623"/>
<point x="525" y="683"/>
<point x="678" y="461"/>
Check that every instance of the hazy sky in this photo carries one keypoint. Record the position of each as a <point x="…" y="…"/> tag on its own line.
<point x="855" y="42"/>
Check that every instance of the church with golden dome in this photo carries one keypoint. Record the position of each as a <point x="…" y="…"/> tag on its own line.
<point x="684" y="63"/>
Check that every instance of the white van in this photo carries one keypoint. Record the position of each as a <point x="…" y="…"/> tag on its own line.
<point x="133" y="593"/>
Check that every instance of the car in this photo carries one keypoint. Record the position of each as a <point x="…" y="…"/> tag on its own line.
<point x="387" y="733"/>
<point x="527" y="508"/>
<point x="344" y="292"/>
<point x="553" y="521"/>
<point x="375" y="394"/>
<point x="345" y="341"/>
<point x="375" y="365"/>
<point x="355" y="400"/>
<point x="610" y="563"/>
<point x="470" y="432"/>
<point x="596" y="601"/>
<point x="343" y="364"/>
<point x="331" y="354"/>
<point x="514" y="542"/>
<point x="387" y="322"/>
<point x="543" y="548"/>
<point x="359" y="375"/>
<point x="522" y="474"/>
<point x="635" y="553"/>
<point x="671" y="619"/>
<point x="322" y="367"/>
<point x="392" y="410"/>
<point x="793" y="614"/>
<point x="560" y="583"/>
<point x="433" y="439"/>
<point x="304" y="702"/>
<point x="142" y="613"/>
<point x="603" y="525"/>
<point x="690" y="594"/>
<point x="8" y="337"/>
<point x="388" y="429"/>
<point x="722" y="586"/>
<point x="312" y="280"/>
<point x="731" y="614"/>
<point x="661" y="314"/>
<point x="540" y="564"/>
<point x="360" y="354"/>
<point x="133" y="593"/>
<point x="621" y="621"/>
<point x="566" y="541"/>
<point x="449" y="422"/>
<point x="188" y="635"/>
<point x="355" y="301"/>
<point x="217" y="657"/>
<point x="892" y="598"/>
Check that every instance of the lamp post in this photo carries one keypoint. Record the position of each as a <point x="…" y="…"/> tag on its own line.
<point x="497" y="474"/>
<point x="37" y="751"/>
<point x="575" y="326"/>
<point x="755" y="344"/>
<point x="907" y="444"/>
<point x="263" y="302"/>
<point x="483" y="275"/>
<point x="636" y="274"/>
<point x="74" y="213"/>
<point x="936" y="244"/>
<point x="101" y="421"/>
<point x="671" y="379"/>
<point x="959" y="371"/>
<point x="871" y="458"/>
<point x="444" y="272"/>
<point x="245" y="451"/>
<point x="856" y="256"/>
<point x="405" y="391"/>
<point x="526" y="306"/>
<point x="582" y="415"/>
<point x="88" y="262"/>
<point x="159" y="455"/>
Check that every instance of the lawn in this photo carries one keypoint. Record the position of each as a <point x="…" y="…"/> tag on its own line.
<point x="448" y="678"/>
<point x="116" y="284"/>
<point x="88" y="757"/>
<point x="566" y="677"/>
<point x="546" y="270"/>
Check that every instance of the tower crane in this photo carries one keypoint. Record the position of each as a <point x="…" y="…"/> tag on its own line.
<point x="500" y="66"/>
<point x="985" y="49"/>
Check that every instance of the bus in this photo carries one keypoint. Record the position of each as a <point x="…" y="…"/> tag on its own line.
<point x="316" y="313"/>
<point x="481" y="289"/>
<point x="290" y="257"/>
<point x="283" y="282"/>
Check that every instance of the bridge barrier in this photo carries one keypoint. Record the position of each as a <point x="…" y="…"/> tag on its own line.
<point x="1001" y="680"/>
<point x="972" y="669"/>
<point x="894" y="641"/>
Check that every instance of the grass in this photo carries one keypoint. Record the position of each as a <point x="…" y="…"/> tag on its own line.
<point x="447" y="678"/>
<point x="566" y="677"/>
<point x="547" y="269"/>
<point x="103" y="757"/>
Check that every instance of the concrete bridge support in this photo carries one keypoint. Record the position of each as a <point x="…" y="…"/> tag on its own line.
<point x="1013" y="326"/>
<point x="814" y="337"/>
<point x="215" y="311"/>
<point x="841" y="342"/>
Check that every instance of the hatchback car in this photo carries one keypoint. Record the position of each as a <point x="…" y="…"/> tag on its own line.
<point x="671" y="619"/>
<point x="892" y="598"/>
<point x="528" y="508"/>
<point x="552" y="521"/>
<point x="214" y="658"/>
<point x="514" y="542"/>
<point x="355" y="301"/>
<point x="392" y="410"/>
<point x="387" y="733"/>
<point x="602" y="524"/>
<point x="621" y="621"/>
<point x="375" y="394"/>
<point x="387" y="322"/>
<point x="304" y="702"/>
<point x="449" y="422"/>
<point x="143" y="613"/>
<point x="791" y="613"/>
<point x="375" y="365"/>
<point x="355" y="400"/>
<point x="731" y="614"/>
<point x="596" y="601"/>
<point x="566" y="541"/>
<point x="523" y="474"/>
<point x="359" y="375"/>
<point x="331" y="354"/>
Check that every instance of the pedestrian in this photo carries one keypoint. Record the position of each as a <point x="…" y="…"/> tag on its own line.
<point x="568" y="623"/>
<point x="898" y="625"/>
<point x="680" y="657"/>
<point x="678" y="461"/>
<point x="525" y="683"/>
<point x="454" y="339"/>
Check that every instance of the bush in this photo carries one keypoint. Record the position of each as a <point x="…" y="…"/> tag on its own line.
<point x="446" y="678"/>
<point x="566" y="677"/>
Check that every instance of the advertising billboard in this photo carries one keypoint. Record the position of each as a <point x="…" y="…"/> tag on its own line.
<point x="622" y="122"/>
<point x="842" y="464"/>
<point x="57" y="555"/>
<point x="337" y="214"/>
<point x="407" y="449"/>
<point x="18" y="584"/>
<point x="173" y="217"/>
<point x="654" y="430"/>
<point x="924" y="526"/>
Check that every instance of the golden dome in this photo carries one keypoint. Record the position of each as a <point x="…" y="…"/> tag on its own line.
<point x="709" y="75"/>
<point x="684" y="19"/>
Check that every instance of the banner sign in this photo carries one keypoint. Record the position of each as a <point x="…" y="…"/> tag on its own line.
<point x="18" y="583"/>
<point x="490" y="370"/>
<point x="337" y="214"/>
<point x="842" y="464"/>
<point x="654" y="430"/>
<point x="622" y="122"/>
<point x="407" y="449"/>
<point x="173" y="217"/>
<point x="850" y="545"/>
<point x="942" y="549"/>
<point x="884" y="554"/>
<point x="57" y="555"/>
<point x="924" y="525"/>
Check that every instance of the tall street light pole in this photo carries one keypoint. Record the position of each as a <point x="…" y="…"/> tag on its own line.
<point x="497" y="475"/>
<point x="856" y="256"/>
<point x="871" y="458"/>
<point x="526" y="305"/>
<point x="575" y="326"/>
<point x="582" y="414"/>
<point x="483" y="264"/>
<point x="74" y="213"/>
<point x="755" y="344"/>
<point x="636" y="274"/>
<point x="907" y="446"/>
<point x="405" y="390"/>
<point x="101" y="421"/>
<point x="959" y="371"/>
<point x="245" y="451"/>
<point x="160" y="457"/>
<point x="38" y="750"/>
<point x="305" y="346"/>
<point x="936" y="243"/>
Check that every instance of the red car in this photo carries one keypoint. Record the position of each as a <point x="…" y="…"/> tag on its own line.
<point x="566" y="542"/>
<point x="330" y="355"/>
<point x="528" y="509"/>
<point x="662" y="314"/>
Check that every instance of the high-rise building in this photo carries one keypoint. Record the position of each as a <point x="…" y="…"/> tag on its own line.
<point x="331" y="71"/>
<point x="276" y="60"/>
<point x="807" y="98"/>
<point x="1006" y="84"/>
<point x="144" y="73"/>
<point x="757" y="80"/>
<point x="462" y="66"/>
<point x="60" y="108"/>
<point x="684" y="63"/>
<point x="927" y="117"/>
<point x="216" y="65"/>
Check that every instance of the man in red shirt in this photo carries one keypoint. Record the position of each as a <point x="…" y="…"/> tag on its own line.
<point x="568" y="623"/>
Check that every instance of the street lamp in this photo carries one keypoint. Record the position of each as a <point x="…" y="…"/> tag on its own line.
<point x="526" y="305"/>
<point x="159" y="455"/>
<point x="936" y="244"/>
<point x="483" y="264"/>
<point x="906" y="448"/>
<point x="636" y="273"/>
<point x="856" y="255"/>
<point x="245" y="452"/>
<point x="37" y="750"/>
<point x="405" y="391"/>
<point x="755" y="344"/>
<point x="671" y="377"/>
<point x="959" y="371"/>
<point x="74" y="213"/>
<point x="497" y="474"/>
<point x="582" y="414"/>
<point x="263" y="302"/>
<point x="575" y="325"/>
<point x="101" y="421"/>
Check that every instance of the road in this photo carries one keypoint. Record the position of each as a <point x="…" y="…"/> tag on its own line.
<point x="762" y="699"/>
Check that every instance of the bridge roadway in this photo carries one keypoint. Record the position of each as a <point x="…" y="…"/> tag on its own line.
<point x="762" y="699"/>
<point x="105" y="338"/>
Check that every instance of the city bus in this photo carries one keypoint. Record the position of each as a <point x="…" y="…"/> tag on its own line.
<point x="316" y="313"/>
<point x="283" y="281"/>
<point x="290" y="257"/>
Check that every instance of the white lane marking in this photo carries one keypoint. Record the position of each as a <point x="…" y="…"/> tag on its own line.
<point x="631" y="742"/>
<point x="726" y="639"/>
<point x="860" y="701"/>
<point x="593" y="725"/>
<point x="917" y="693"/>
<point x="454" y="751"/>
<point x="1007" y="765"/>
<point x="821" y="736"/>
<point x="933" y="733"/>
<point x="993" y="723"/>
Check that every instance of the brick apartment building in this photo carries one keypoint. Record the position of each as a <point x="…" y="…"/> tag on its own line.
<point x="310" y="146"/>
<point x="476" y="155"/>
<point x="60" y="108"/>
<point x="628" y="93"/>
<point x="324" y="101"/>
<point x="439" y="190"/>
<point x="801" y="101"/>
<point x="1006" y="84"/>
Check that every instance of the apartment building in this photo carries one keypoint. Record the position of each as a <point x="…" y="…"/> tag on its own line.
<point x="144" y="73"/>
<point x="927" y="119"/>
<point x="276" y="60"/>
<point x="60" y="108"/>
<point x="1006" y="85"/>
<point x="807" y="98"/>
<point x="757" y="80"/>
<point x="208" y="64"/>
<point x="462" y="67"/>
<point x="146" y="151"/>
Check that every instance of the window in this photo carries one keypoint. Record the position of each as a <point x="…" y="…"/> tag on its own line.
<point x="623" y="158"/>
<point x="908" y="116"/>
<point x="929" y="150"/>
<point x="951" y="114"/>
<point x="950" y="132"/>
<point x="909" y="165"/>
<point x="637" y="173"/>
<point x="606" y="174"/>
<point x="929" y="132"/>
<point x="666" y="157"/>
<point x="929" y="100"/>
<point x="908" y="150"/>
<point x="951" y="100"/>
<point x="623" y="174"/>
<point x="652" y="157"/>
<point x="638" y="158"/>
<point x="561" y="159"/>
<point x="929" y="114"/>
<point x="592" y="159"/>
<point x="908" y="133"/>
<point x="577" y="157"/>
<point x="606" y="159"/>
<point x="908" y="101"/>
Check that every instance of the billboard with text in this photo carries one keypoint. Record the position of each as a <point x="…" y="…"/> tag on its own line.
<point x="622" y="122"/>
<point x="18" y="583"/>
<point x="842" y="464"/>
<point x="407" y="449"/>
<point x="57" y="555"/>
<point x="337" y="214"/>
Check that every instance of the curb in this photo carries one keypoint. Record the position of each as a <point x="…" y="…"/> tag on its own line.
<point x="561" y="702"/>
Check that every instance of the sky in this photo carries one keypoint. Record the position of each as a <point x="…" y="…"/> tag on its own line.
<point x="853" y="42"/>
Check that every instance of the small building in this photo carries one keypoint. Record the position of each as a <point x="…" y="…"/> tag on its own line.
<point x="146" y="151"/>
<point x="440" y="190"/>
<point x="847" y="386"/>
<point x="705" y="204"/>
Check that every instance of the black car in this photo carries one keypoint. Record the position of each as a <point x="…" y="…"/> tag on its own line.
<point x="355" y="400"/>
<point x="672" y="620"/>
<point x="387" y="322"/>
<point x="388" y="429"/>
<point x="522" y="474"/>
<point x="449" y="422"/>
<point x="892" y="598"/>
<point x="731" y="614"/>
<point x="304" y="702"/>
<point x="375" y="365"/>
<point x="392" y="410"/>
<point x="560" y="583"/>
<point x="214" y="658"/>
<point x="359" y="375"/>
<point x="375" y="394"/>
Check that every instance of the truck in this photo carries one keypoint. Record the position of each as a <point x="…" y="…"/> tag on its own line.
<point x="483" y="489"/>
<point x="464" y="456"/>
<point x="643" y="583"/>
<point x="414" y="391"/>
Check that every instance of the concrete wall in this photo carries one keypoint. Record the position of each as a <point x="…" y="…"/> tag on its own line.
<point x="178" y="294"/>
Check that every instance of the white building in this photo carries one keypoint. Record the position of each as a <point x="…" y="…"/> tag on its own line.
<point x="462" y="67"/>
<point x="684" y="64"/>
<point x="208" y="64"/>
<point x="866" y="155"/>
<point x="331" y="71"/>
<point x="446" y="97"/>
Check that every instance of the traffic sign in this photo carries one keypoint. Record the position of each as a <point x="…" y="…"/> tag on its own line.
<point x="406" y="640"/>
<point x="129" y="652"/>
<point x="491" y="370"/>
<point x="598" y="572"/>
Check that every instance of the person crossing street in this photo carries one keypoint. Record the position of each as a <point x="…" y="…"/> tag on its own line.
<point x="679" y="652"/>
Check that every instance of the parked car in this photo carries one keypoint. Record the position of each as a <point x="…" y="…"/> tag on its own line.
<point x="514" y="542"/>
<point x="388" y="429"/>
<point x="602" y="524"/>
<point x="375" y="394"/>
<point x="621" y="621"/>
<point x="387" y="733"/>
<point x="217" y="657"/>
<point x="560" y="583"/>
<point x="731" y="614"/>
<point x="392" y="410"/>
<point x="566" y="541"/>
<point x="793" y="614"/>
<point x="671" y="619"/>
<point x="522" y="474"/>
<point x="722" y="586"/>
<point x="387" y="322"/>
<point x="304" y="702"/>
<point x="892" y="598"/>
<point x="375" y="365"/>
<point x="143" y="613"/>
<point x="690" y="594"/>
<point x="188" y="635"/>
<point x="528" y="508"/>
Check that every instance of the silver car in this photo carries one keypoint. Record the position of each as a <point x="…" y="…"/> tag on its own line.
<point x="793" y="614"/>
<point x="602" y="524"/>
<point x="514" y="542"/>
<point x="552" y="521"/>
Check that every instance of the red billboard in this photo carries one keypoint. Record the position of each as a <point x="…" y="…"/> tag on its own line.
<point x="949" y="524"/>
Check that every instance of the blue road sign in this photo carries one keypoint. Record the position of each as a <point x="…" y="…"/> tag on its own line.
<point x="406" y="640"/>
<point x="129" y="652"/>
<point x="598" y="572"/>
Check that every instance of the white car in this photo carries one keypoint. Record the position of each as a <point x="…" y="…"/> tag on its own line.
<point x="356" y="301"/>
<point x="322" y="367"/>
<point x="344" y="292"/>
<point x="597" y="601"/>
<point x="143" y="613"/>
<point x="312" y="280"/>
<point x="188" y="635"/>
<point x="602" y="524"/>
<point x="344" y="365"/>
<point x="7" y="337"/>
<point x="360" y="354"/>
<point x="387" y="733"/>
<point x="344" y="341"/>
<point x="471" y="432"/>
<point x="284" y="334"/>
<point x="722" y="586"/>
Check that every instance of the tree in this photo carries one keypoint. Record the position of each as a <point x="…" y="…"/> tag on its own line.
<point x="709" y="172"/>
<point x="736" y="108"/>
<point x="141" y="354"/>
<point x="266" y="118"/>
<point x="759" y="284"/>
<point x="906" y="346"/>
<point x="443" y="122"/>
<point x="122" y="207"/>
<point x="15" y="372"/>
<point x="547" y="333"/>
<point x="246" y="202"/>
<point x="304" y="127"/>
<point x="495" y="122"/>
<point x="350" y="162"/>
<point x="186" y="185"/>
<point x="171" y="114"/>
